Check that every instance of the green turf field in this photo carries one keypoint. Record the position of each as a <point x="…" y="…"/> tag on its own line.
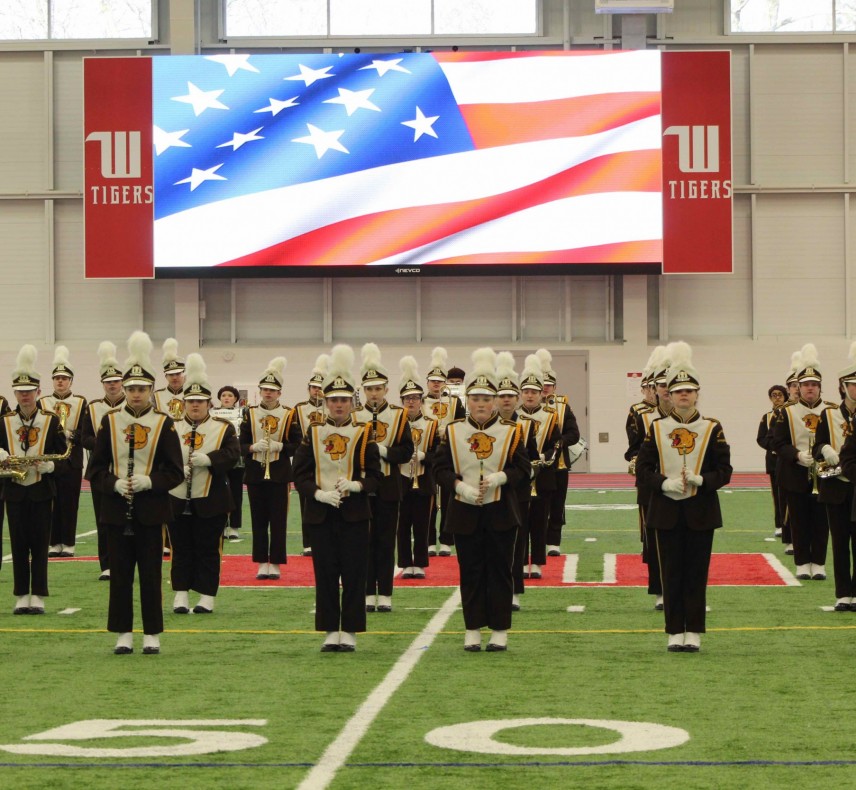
<point x="243" y="698"/>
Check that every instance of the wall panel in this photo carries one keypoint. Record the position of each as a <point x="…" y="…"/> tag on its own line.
<point x="24" y="124"/>
<point x="279" y="311"/>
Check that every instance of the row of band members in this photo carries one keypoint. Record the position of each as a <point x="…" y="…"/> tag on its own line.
<point x="368" y="479"/>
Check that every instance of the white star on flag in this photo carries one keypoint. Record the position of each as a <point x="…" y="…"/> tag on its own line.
<point x="164" y="140"/>
<point x="201" y="100"/>
<point x="421" y="125"/>
<point x="322" y="141"/>
<point x="354" y="100"/>
<point x="308" y="76"/>
<point x="197" y="177"/>
<point x="276" y="106"/>
<point x="233" y="63"/>
<point x="239" y="139"/>
<point x="383" y="66"/>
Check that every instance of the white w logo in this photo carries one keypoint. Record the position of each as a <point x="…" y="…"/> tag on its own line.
<point x="120" y="153"/>
<point x="697" y="154"/>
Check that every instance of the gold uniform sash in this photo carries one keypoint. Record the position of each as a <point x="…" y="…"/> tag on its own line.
<point x="423" y="429"/>
<point x="308" y="413"/>
<point x="34" y="433"/>
<point x="210" y="435"/>
<point x="277" y="421"/>
<point x="682" y="444"/>
<point x="478" y="452"/>
<point x="544" y="419"/>
<point x="334" y="447"/>
<point x="145" y="429"/>
<point x="839" y="430"/>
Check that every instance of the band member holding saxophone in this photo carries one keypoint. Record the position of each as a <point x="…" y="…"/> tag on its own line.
<point x="681" y="465"/>
<point x="28" y="487"/>
<point x="135" y="502"/>
<point x="114" y="397"/>
<point x="835" y="488"/>
<point x="418" y="493"/>
<point x="336" y="467"/>
<point x="483" y="460"/>
<point x="391" y="432"/>
<point x="69" y="409"/>
<point x="269" y="435"/>
<point x="201" y="502"/>
<point x="793" y="441"/>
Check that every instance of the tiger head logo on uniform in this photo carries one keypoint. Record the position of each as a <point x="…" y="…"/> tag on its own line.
<point x="336" y="445"/>
<point x="811" y="421"/>
<point x="482" y="445"/>
<point x="683" y="440"/>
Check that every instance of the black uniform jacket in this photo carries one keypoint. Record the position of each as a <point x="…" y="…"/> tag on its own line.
<point x="701" y="511"/>
<point x="831" y="490"/>
<point x="463" y="518"/>
<point x="570" y="430"/>
<point x="847" y="458"/>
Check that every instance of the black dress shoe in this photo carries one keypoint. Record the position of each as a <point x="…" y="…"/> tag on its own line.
<point x="151" y="651"/>
<point x="492" y="648"/>
<point x="329" y="648"/>
<point x="472" y="648"/>
<point x="53" y="554"/>
<point x="370" y="608"/>
<point x="819" y="577"/>
<point x="853" y="607"/>
<point x="554" y="553"/>
<point x="515" y="607"/>
<point x="658" y="607"/>
<point x="675" y="648"/>
<point x="262" y="576"/>
<point x="121" y="650"/>
<point x="445" y="554"/>
<point x="307" y="552"/>
<point x="842" y="607"/>
<point x="407" y="575"/>
<point x="347" y="648"/>
<point x="691" y="648"/>
<point x="384" y="609"/>
<point x="36" y="610"/>
<point x="65" y="554"/>
<point x="104" y="577"/>
<point x="527" y="575"/>
<point x="803" y="576"/>
<point x="180" y="610"/>
<point x="535" y="575"/>
<point x="21" y="610"/>
<point x="201" y="610"/>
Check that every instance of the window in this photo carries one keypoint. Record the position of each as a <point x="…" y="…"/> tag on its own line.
<point x="793" y="16"/>
<point x="28" y="20"/>
<point x="379" y="17"/>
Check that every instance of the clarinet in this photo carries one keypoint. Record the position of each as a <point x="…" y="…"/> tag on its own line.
<point x="188" y="480"/>
<point x="129" y="509"/>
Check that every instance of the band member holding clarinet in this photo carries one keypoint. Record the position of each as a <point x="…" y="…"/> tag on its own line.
<point x="681" y="465"/>
<point x="336" y="467"/>
<point x="114" y="397"/>
<point x="483" y="460"/>
<point x="136" y="462"/>
<point x="201" y="503"/>
<point x="269" y="435"/>
<point x="415" y="510"/>
<point x="28" y="486"/>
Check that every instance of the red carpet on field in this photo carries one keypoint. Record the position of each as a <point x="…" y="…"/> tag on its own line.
<point x="725" y="569"/>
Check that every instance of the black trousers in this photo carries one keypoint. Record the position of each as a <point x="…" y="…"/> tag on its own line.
<point x="778" y="505"/>
<point x="843" y="533"/>
<point x="144" y="551"/>
<point x="269" y="515"/>
<point x="304" y="528"/>
<point x="381" y="560"/>
<point x="339" y="555"/>
<point x="809" y="528"/>
<point x="103" y="559"/>
<point x="520" y="546"/>
<point x="236" y="486"/>
<point x="197" y="548"/>
<point x="484" y="560"/>
<point x="534" y="529"/>
<point x="557" y="509"/>
<point x="650" y="556"/>
<point x="780" y="494"/>
<point x="64" y="523"/>
<point x="413" y="516"/>
<point x="684" y="564"/>
<point x="29" y="534"/>
<point x="440" y="506"/>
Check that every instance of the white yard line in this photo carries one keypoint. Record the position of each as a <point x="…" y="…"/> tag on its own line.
<point x="338" y="752"/>
<point x="610" y="568"/>
<point x="784" y="574"/>
<point x="569" y="573"/>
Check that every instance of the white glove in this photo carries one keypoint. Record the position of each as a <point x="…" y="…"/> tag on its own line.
<point x="420" y="456"/>
<point x="467" y="492"/>
<point x="696" y="480"/>
<point x="829" y="455"/>
<point x="381" y="448"/>
<point x="542" y="457"/>
<point x="804" y="458"/>
<point x="70" y="434"/>
<point x="200" y="459"/>
<point x="3" y="455"/>
<point x="188" y="470"/>
<point x="495" y="480"/>
<point x="260" y="447"/>
<point x="122" y="486"/>
<point x="348" y="486"/>
<point x="140" y="483"/>
<point x="672" y="485"/>
<point x="328" y="497"/>
<point x="275" y="446"/>
<point x="45" y="467"/>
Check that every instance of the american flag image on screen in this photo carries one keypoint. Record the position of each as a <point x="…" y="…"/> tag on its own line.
<point x="408" y="159"/>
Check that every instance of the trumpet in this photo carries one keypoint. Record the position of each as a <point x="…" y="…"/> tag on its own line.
<point x="414" y="470"/>
<point x="631" y="469"/>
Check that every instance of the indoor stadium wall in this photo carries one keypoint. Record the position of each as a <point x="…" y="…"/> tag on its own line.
<point x="794" y="231"/>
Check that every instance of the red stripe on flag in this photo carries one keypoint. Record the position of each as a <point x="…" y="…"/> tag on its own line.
<point x="473" y="57"/>
<point x="628" y="252"/>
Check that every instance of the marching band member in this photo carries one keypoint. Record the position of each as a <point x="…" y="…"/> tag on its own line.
<point x="391" y="432"/>
<point x="170" y="399"/>
<point x="777" y="395"/>
<point x="268" y="435"/>
<point x="230" y="409"/>
<point x="69" y="409"/>
<point x="201" y="502"/>
<point x="136" y="461"/>
<point x="793" y="441"/>
<point x="30" y="431"/>
<point x="683" y="462"/>
<point x="309" y="411"/>
<point x="835" y="492"/>
<point x="444" y="406"/>
<point x="114" y="396"/>
<point x="548" y="447"/>
<point x="336" y="467"/>
<point x="482" y="459"/>
<point x="416" y="503"/>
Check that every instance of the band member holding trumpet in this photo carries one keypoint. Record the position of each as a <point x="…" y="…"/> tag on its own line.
<point x="835" y="488"/>
<point x="269" y="435"/>
<point x="796" y="471"/>
<point x="114" y="397"/>
<point x="201" y="502"/>
<point x="135" y="463"/>
<point x="32" y="449"/>
<point x="483" y="460"/>
<point x="415" y="510"/>
<point x="681" y="465"/>
<point x="170" y="399"/>
<point x="70" y="410"/>
<point x="391" y="432"/>
<point x="336" y="467"/>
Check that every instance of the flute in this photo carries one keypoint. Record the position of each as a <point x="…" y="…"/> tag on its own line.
<point x="129" y="497"/>
<point x="188" y="479"/>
